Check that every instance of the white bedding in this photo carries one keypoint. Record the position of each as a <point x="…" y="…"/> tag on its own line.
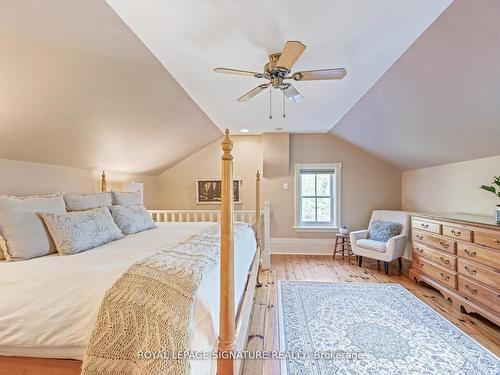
<point x="48" y="305"/>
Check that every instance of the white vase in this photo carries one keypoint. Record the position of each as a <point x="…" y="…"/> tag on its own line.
<point x="497" y="214"/>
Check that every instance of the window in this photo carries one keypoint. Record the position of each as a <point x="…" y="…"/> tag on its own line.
<point x="317" y="190"/>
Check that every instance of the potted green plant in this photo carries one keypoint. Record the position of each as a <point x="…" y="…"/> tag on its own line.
<point x="495" y="189"/>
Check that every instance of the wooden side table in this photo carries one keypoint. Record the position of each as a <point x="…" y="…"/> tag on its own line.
<point x="343" y="244"/>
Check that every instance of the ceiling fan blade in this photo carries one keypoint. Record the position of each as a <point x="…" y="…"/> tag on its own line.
<point x="249" y="95"/>
<point x="311" y="75"/>
<point x="291" y="52"/>
<point x="238" y="72"/>
<point x="292" y="94"/>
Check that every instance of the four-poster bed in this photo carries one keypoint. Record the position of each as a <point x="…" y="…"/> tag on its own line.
<point x="234" y="310"/>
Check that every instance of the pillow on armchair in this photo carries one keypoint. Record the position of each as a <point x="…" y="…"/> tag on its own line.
<point x="383" y="230"/>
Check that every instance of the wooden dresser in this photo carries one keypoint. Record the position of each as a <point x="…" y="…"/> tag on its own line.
<point x="460" y="256"/>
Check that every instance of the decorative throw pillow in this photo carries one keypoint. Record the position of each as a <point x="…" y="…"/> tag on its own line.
<point x="89" y="201"/>
<point x="132" y="219"/>
<point x="383" y="230"/>
<point x="74" y="232"/>
<point x="127" y="198"/>
<point x="23" y="230"/>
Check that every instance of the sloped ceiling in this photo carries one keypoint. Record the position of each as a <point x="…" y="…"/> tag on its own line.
<point x="440" y="102"/>
<point x="78" y="88"/>
<point x="190" y="38"/>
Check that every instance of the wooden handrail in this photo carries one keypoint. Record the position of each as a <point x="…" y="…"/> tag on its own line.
<point x="225" y="363"/>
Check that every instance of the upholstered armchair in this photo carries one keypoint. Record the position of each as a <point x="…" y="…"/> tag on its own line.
<point x="394" y="248"/>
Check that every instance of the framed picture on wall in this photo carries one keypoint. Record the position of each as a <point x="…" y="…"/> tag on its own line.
<point x="208" y="191"/>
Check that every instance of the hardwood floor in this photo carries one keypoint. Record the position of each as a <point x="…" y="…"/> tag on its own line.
<point x="263" y="331"/>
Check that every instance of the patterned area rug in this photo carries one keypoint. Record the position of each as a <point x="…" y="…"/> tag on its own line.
<point x="350" y="328"/>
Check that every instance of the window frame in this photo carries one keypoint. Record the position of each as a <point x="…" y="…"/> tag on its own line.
<point x="336" y="197"/>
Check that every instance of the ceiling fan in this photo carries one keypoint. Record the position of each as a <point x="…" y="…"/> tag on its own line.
<point x="277" y="72"/>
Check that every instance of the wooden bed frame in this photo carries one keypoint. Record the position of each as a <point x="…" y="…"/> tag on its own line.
<point x="233" y="323"/>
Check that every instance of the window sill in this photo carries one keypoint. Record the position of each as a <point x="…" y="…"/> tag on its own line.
<point x="316" y="229"/>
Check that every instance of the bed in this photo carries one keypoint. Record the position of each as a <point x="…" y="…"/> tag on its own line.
<point x="49" y="304"/>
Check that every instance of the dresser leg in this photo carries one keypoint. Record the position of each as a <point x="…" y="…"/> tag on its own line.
<point x="400" y="264"/>
<point x="386" y="268"/>
<point x="360" y="260"/>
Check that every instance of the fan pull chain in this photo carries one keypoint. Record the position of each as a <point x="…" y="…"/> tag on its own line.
<point x="284" y="114"/>
<point x="270" y="103"/>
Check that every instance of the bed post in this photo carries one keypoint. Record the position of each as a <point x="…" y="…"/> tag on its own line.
<point x="257" y="224"/>
<point x="225" y="363"/>
<point x="103" y="181"/>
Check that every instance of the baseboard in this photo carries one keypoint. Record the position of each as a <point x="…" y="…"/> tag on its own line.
<point x="312" y="246"/>
<point x="302" y="246"/>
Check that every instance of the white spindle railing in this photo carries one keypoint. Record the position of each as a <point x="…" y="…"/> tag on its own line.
<point x="190" y="216"/>
<point x="245" y="216"/>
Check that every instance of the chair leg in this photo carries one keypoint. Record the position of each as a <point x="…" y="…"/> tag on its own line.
<point x="400" y="264"/>
<point x="386" y="268"/>
<point x="360" y="260"/>
<point x="335" y="247"/>
<point x="378" y="264"/>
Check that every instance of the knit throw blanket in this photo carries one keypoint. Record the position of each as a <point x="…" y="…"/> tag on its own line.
<point x="150" y="309"/>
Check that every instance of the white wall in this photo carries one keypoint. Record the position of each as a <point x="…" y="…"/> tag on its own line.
<point x="26" y="178"/>
<point x="452" y="187"/>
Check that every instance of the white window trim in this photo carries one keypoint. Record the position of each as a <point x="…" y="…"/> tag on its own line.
<point x="337" y="196"/>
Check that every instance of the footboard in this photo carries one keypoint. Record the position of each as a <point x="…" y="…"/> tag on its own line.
<point x="244" y="216"/>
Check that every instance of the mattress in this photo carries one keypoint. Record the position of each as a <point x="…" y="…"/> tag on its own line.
<point x="48" y="305"/>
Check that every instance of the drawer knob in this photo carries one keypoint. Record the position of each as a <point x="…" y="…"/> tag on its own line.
<point x="421" y="251"/>
<point x="445" y="277"/>
<point x="497" y="240"/>
<point x="420" y="237"/>
<point x="471" y="271"/>
<point x="421" y="265"/>
<point x="470" y="290"/>
<point x="445" y="261"/>
<point x="425" y="225"/>
<point x="456" y="233"/>
<point x="470" y="253"/>
<point x="444" y="244"/>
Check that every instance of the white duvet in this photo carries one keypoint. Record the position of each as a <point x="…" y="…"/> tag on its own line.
<point x="48" y="305"/>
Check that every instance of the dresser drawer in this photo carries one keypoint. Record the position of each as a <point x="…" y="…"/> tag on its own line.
<point x="440" y="257"/>
<point x="442" y="275"/>
<point x="480" y="273"/>
<point x="428" y="226"/>
<point x="479" y="254"/>
<point x="457" y="233"/>
<point x="486" y="239"/>
<point x="440" y="243"/>
<point x="480" y="293"/>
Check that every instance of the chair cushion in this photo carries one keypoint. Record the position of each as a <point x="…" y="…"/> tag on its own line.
<point x="372" y="245"/>
<point x="383" y="230"/>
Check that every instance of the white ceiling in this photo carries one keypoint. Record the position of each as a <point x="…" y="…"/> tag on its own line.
<point x="190" y="38"/>
<point x="439" y="103"/>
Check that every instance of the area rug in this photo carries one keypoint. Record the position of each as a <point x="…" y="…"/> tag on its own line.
<point x="378" y="328"/>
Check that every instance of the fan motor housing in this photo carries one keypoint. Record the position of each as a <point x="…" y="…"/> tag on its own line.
<point x="273" y="69"/>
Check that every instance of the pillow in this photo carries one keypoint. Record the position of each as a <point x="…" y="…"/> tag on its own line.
<point x="127" y="198"/>
<point x="132" y="219"/>
<point x="84" y="202"/>
<point x="23" y="230"/>
<point x="74" y="232"/>
<point x="383" y="230"/>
